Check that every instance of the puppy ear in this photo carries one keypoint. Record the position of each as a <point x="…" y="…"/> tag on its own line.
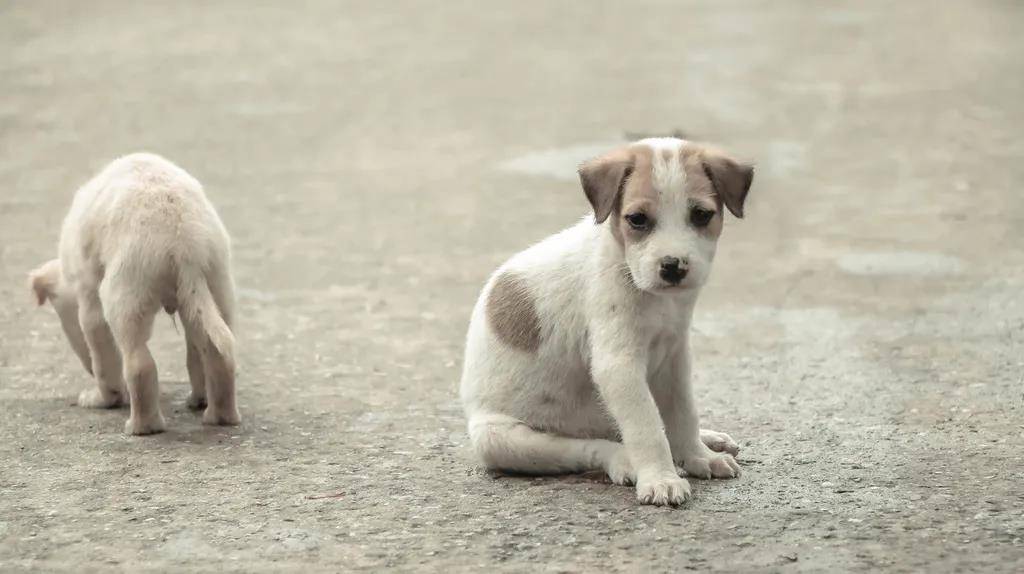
<point x="730" y="178"/>
<point x="602" y="180"/>
<point x="44" y="280"/>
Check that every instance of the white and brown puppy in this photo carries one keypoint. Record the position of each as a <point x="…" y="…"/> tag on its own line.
<point x="141" y="236"/>
<point x="578" y="354"/>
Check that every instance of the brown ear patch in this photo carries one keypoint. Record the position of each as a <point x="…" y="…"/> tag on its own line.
<point x="602" y="180"/>
<point x="512" y="314"/>
<point x="730" y="178"/>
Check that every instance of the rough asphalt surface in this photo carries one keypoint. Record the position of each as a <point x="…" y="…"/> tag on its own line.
<point x="862" y="336"/>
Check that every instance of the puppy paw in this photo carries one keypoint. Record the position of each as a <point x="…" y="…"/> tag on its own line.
<point x="712" y="465"/>
<point x="620" y="469"/>
<point x="195" y="402"/>
<point x="97" y="399"/>
<point x="719" y="442"/>
<point x="138" y="426"/>
<point x="663" y="490"/>
<point x="221" y="417"/>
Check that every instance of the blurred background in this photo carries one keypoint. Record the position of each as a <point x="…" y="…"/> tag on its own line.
<point x="861" y="336"/>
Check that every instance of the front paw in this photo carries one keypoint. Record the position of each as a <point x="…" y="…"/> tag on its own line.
<point x="711" y="465"/>
<point x="662" y="489"/>
<point x="97" y="399"/>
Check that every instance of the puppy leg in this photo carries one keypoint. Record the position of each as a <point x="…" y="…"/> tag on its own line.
<point x="194" y="362"/>
<point x="506" y="443"/>
<point x="219" y="369"/>
<point x="215" y="368"/>
<point x="682" y="424"/>
<point x="219" y="363"/>
<point x="131" y="321"/>
<point x="106" y="362"/>
<point x="620" y="373"/>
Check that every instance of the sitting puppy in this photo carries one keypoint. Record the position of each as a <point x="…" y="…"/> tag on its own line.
<point x="141" y="235"/>
<point x="578" y="354"/>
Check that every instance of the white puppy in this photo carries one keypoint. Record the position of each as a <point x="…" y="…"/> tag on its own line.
<point x="141" y="236"/>
<point x="578" y="353"/>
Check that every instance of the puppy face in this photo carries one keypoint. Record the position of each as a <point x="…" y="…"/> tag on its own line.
<point x="48" y="285"/>
<point x="663" y="200"/>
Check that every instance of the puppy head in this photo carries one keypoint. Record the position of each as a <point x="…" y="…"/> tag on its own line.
<point x="48" y="284"/>
<point x="663" y="200"/>
<point x="45" y="281"/>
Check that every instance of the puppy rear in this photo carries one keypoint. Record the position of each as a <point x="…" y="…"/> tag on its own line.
<point x="141" y="236"/>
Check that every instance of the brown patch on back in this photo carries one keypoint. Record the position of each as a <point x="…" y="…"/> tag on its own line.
<point x="512" y="313"/>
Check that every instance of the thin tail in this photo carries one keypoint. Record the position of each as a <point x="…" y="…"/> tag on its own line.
<point x="198" y="307"/>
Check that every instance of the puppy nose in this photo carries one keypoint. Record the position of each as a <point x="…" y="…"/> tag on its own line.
<point x="672" y="269"/>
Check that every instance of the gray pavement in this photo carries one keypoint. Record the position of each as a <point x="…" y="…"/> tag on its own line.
<point x="862" y="336"/>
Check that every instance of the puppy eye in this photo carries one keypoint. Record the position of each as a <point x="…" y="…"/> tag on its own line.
<point x="637" y="220"/>
<point x="701" y="217"/>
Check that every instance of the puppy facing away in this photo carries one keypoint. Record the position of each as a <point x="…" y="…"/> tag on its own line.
<point x="578" y="354"/>
<point x="141" y="236"/>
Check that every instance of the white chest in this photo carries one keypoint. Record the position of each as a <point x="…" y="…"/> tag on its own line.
<point x="664" y="322"/>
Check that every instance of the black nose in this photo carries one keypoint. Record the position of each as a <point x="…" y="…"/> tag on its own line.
<point x="672" y="269"/>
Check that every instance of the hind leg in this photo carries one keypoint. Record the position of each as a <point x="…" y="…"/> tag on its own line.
<point x="106" y="362"/>
<point x="215" y="369"/>
<point x="719" y="442"/>
<point x="131" y="321"/>
<point x="196" y="377"/>
<point x="219" y="365"/>
<point x="506" y="443"/>
<point x="219" y="369"/>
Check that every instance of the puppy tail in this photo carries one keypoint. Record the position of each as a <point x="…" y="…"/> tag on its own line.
<point x="199" y="310"/>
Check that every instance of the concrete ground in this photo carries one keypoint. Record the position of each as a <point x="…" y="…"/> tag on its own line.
<point x="861" y="337"/>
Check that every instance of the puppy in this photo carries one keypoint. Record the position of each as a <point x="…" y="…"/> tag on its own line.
<point x="141" y="236"/>
<point x="578" y="354"/>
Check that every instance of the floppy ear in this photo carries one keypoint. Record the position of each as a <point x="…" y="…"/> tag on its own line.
<point x="730" y="178"/>
<point x="602" y="180"/>
<point x="44" y="280"/>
